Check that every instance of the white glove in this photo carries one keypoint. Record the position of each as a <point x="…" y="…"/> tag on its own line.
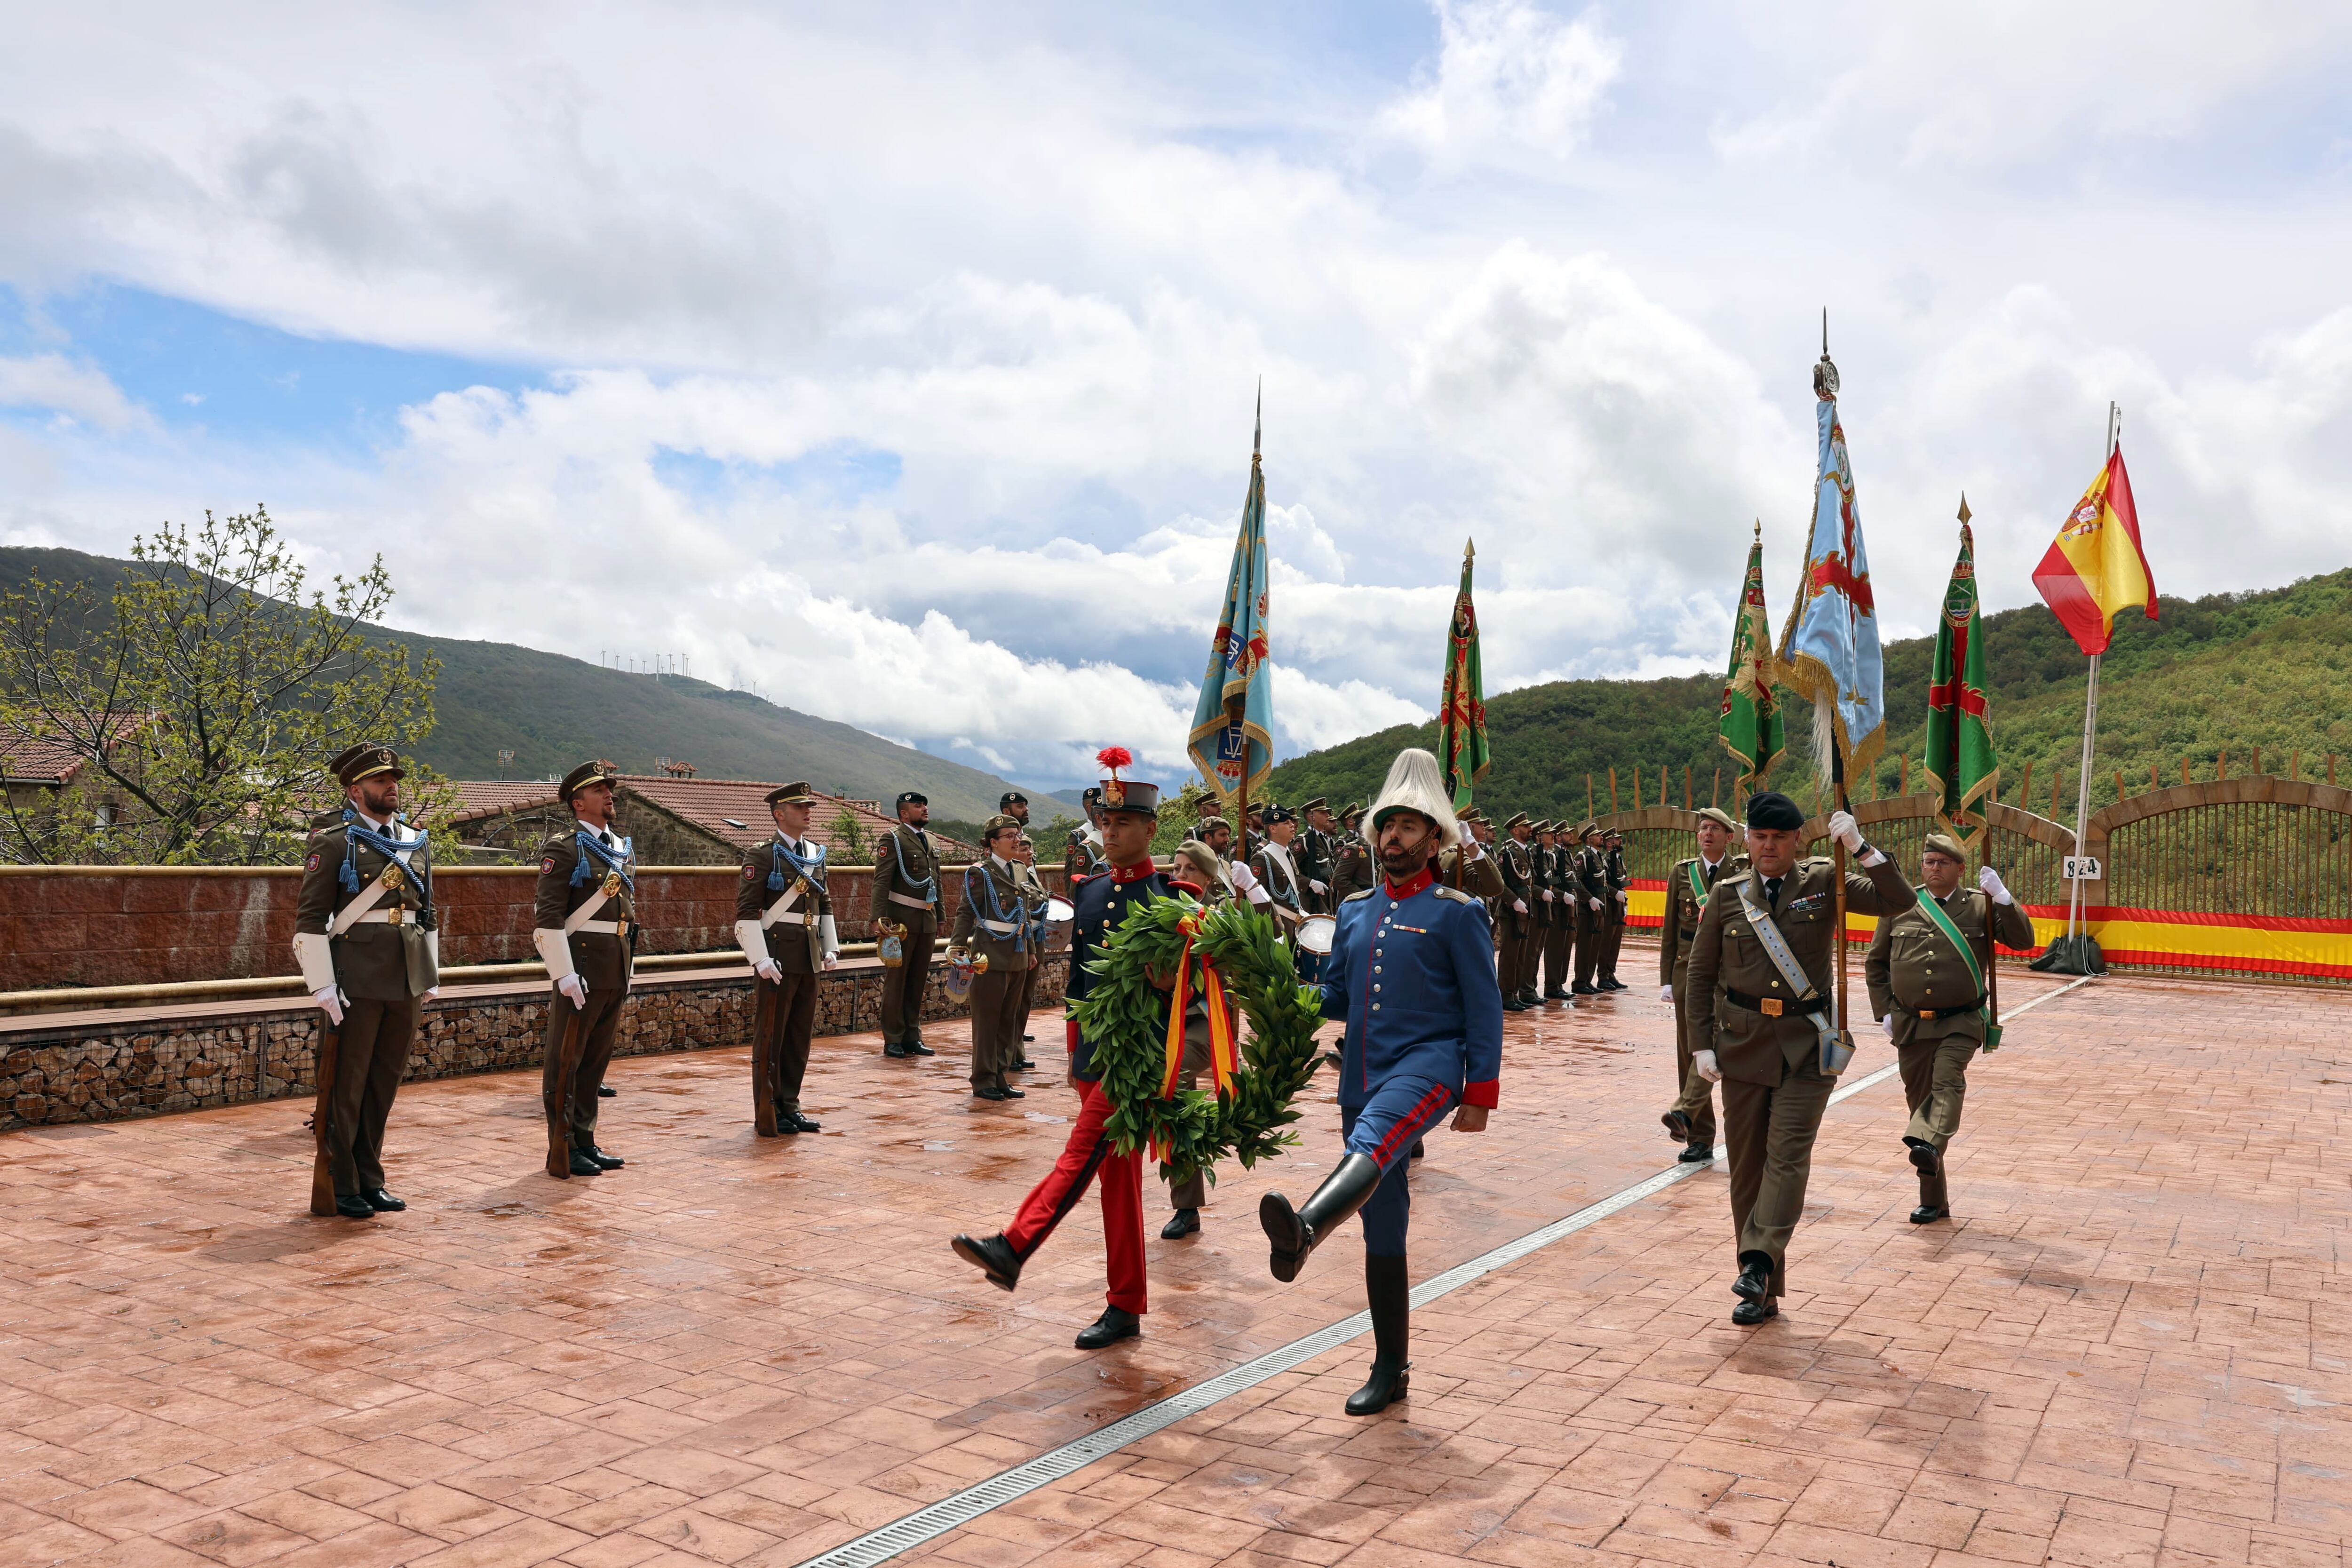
<point x="1889" y="1022"/>
<point x="1621" y="897"/>
<point x="1317" y="886"/>
<point x="432" y="993"/>
<point x="1843" y="829"/>
<point x="1520" y="905"/>
<point x="1666" y="995"/>
<point x="330" y="1002"/>
<point x="1464" y="837"/>
<point x="1547" y="895"/>
<point x="1595" y="903"/>
<point x="574" y="987"/>
<point x="770" y="971"/>
<point x="1989" y="881"/>
<point x="1703" y="1064"/>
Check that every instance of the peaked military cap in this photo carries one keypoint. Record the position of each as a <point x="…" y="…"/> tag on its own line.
<point x="1318" y="803"/>
<point x="1353" y="810"/>
<point x="364" y="761"/>
<point x="1774" y="812"/>
<point x="800" y="794"/>
<point x="1946" y="845"/>
<point x="1716" y="814"/>
<point x="1518" y="818"/>
<point x="581" y="777"/>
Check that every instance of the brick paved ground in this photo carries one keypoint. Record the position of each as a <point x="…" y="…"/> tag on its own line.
<point x="2128" y="1350"/>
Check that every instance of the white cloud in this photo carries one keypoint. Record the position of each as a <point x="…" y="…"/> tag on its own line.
<point x="80" y="392"/>
<point x="1509" y="75"/>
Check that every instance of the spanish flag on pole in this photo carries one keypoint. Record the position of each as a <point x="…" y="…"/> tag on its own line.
<point x="2095" y="566"/>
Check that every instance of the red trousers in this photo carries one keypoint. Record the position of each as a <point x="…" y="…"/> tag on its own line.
<point x="1087" y="1154"/>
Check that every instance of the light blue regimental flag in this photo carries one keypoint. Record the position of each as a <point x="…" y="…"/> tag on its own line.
<point x="1230" y="754"/>
<point x="1829" y="650"/>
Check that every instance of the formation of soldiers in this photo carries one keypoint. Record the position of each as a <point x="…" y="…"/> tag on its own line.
<point x="1747" y="941"/>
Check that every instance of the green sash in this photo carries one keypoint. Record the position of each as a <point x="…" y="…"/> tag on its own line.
<point x="1699" y="885"/>
<point x="1935" y="912"/>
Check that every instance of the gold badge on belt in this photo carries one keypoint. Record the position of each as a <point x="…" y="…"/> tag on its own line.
<point x="612" y="884"/>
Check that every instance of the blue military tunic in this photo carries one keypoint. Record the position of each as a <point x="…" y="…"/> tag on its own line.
<point x="1411" y="973"/>
<point x="1098" y="903"/>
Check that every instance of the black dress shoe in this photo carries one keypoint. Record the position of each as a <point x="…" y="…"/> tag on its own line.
<point x="383" y="1202"/>
<point x="1582" y="989"/>
<point x="1384" y="1388"/>
<point x="1925" y="1157"/>
<point x="1513" y="1005"/>
<point x="1028" y="1039"/>
<point x="990" y="1093"/>
<point x="609" y="1162"/>
<point x="1181" y="1223"/>
<point x="1006" y="1092"/>
<point x="1748" y="1314"/>
<point x="1610" y="982"/>
<point x="895" y="1050"/>
<point x="796" y="1122"/>
<point x="993" y="1256"/>
<point x="1696" y="1154"/>
<point x="1117" y="1323"/>
<point x="582" y="1165"/>
<point x="353" y="1206"/>
<point x="1754" y="1281"/>
<point x="1023" y="1064"/>
<point x="1677" y="1126"/>
<point x="1555" y="995"/>
<point x="917" y="1049"/>
<point x="606" y="1091"/>
<point x="1927" y="1214"/>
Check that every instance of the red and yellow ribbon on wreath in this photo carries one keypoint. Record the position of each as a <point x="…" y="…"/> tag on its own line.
<point x="1224" y="1059"/>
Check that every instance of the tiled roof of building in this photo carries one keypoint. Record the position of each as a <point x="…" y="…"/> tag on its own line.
<point x="35" y="758"/>
<point x="734" y="810"/>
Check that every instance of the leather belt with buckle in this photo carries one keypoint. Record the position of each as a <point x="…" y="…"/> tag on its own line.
<point x="1934" y="1013"/>
<point x="1774" y="1006"/>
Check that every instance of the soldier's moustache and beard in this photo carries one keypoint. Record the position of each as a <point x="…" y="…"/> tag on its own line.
<point x="1408" y="842"/>
<point x="380" y="797"/>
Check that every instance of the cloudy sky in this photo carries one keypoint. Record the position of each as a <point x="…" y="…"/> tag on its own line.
<point x="900" y="359"/>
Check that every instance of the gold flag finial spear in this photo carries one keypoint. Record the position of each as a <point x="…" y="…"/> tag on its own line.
<point x="1469" y="549"/>
<point x="1760" y="530"/>
<point x="1963" y="506"/>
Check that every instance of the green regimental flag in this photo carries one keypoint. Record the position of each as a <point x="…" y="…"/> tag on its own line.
<point x="1461" y="704"/>
<point x="1960" y="770"/>
<point x="1750" y="719"/>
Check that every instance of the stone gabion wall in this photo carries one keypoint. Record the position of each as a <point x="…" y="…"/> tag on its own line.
<point x="95" y="1070"/>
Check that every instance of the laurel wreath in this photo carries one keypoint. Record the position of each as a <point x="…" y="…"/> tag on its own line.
<point x="1126" y="1016"/>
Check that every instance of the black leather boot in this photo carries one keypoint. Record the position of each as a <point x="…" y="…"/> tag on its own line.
<point x="1295" y="1232"/>
<point x="1391" y="1297"/>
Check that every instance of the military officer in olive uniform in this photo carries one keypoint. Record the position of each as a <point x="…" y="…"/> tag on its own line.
<point x="1691" y="1122"/>
<point x="1275" y="871"/>
<point x="1516" y="860"/>
<point x="1038" y="894"/>
<point x="1930" y="991"/>
<point x="1754" y="1027"/>
<point x="1083" y="856"/>
<point x="1465" y="863"/>
<point x="364" y="939"/>
<point x="784" y="923"/>
<point x="1558" y="914"/>
<point x="585" y="926"/>
<point x="1588" y="873"/>
<point x="1617" y="881"/>
<point x="906" y="902"/>
<point x="1314" y="851"/>
<point x="998" y="924"/>
<point x="1351" y="860"/>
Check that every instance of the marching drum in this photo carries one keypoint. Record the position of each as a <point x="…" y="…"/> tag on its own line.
<point x="1058" y="916"/>
<point x="1316" y="934"/>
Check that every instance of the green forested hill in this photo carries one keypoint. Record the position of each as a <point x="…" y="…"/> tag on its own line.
<point x="552" y="712"/>
<point x="2228" y="673"/>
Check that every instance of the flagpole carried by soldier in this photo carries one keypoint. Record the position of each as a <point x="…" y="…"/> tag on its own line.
<point x="1768" y="967"/>
<point x="905" y="909"/>
<point x="784" y="923"/>
<point x="1918" y="961"/>
<point x="367" y="943"/>
<point x="584" y="916"/>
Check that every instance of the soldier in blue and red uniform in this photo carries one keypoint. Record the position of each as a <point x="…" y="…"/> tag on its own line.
<point x="1411" y="973"/>
<point x="1129" y="815"/>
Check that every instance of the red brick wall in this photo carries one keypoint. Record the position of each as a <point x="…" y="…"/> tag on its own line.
<point x="146" y="926"/>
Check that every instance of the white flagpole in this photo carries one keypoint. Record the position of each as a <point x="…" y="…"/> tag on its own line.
<point x="2090" y="729"/>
